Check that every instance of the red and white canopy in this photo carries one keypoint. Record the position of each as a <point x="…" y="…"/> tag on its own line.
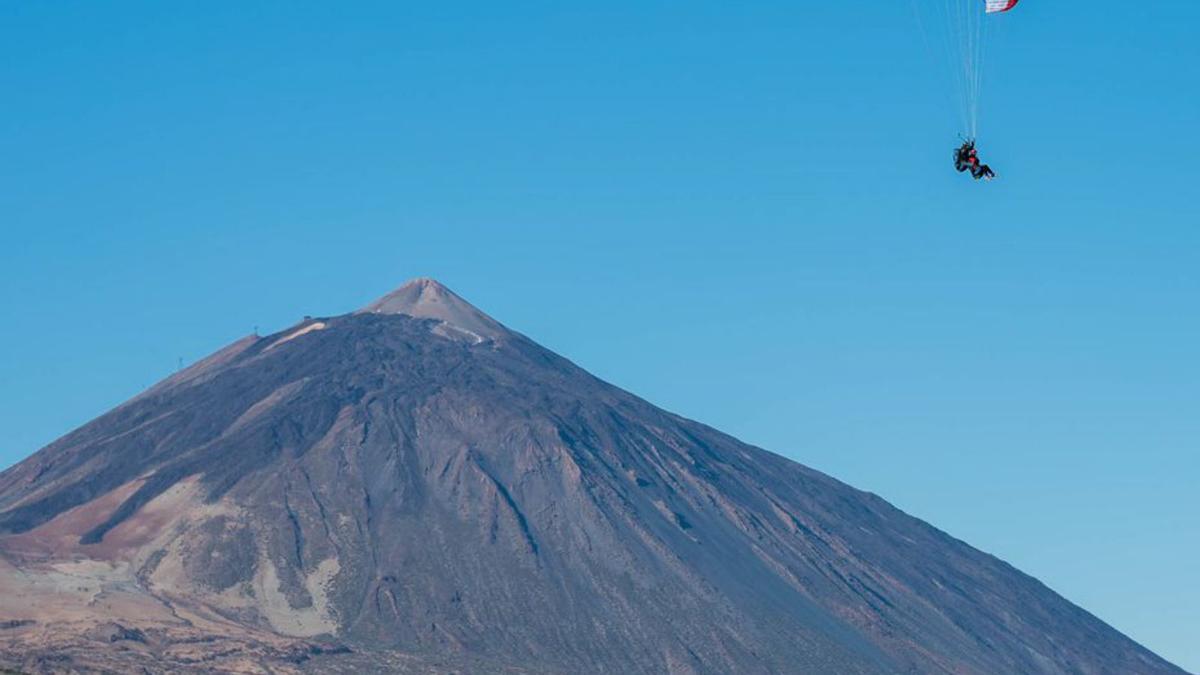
<point x="994" y="6"/>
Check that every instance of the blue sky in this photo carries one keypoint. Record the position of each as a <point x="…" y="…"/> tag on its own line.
<point x="743" y="212"/>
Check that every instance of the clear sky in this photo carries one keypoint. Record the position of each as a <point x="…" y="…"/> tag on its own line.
<point x="744" y="212"/>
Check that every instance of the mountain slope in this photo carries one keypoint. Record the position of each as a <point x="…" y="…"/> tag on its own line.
<point x="414" y="487"/>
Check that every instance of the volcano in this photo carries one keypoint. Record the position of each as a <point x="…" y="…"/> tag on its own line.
<point x="415" y="488"/>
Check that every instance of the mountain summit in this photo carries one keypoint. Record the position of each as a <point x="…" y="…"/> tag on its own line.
<point x="427" y="299"/>
<point x="413" y="488"/>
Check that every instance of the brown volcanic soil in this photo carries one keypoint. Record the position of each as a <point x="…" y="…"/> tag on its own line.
<point x="415" y="488"/>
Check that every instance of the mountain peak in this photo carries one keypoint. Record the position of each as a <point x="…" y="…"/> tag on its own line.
<point x="360" y="496"/>
<point x="426" y="298"/>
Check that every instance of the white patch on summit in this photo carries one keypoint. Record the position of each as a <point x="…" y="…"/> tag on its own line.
<point x="428" y="299"/>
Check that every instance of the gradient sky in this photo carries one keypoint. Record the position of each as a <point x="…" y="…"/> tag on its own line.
<point x="744" y="212"/>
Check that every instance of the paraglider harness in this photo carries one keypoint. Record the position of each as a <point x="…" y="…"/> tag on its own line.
<point x="967" y="159"/>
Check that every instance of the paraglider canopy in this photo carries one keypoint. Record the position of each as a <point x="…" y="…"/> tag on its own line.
<point x="994" y="6"/>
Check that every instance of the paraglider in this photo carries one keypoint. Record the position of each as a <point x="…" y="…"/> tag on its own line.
<point x="994" y="6"/>
<point x="964" y="40"/>
<point x="966" y="158"/>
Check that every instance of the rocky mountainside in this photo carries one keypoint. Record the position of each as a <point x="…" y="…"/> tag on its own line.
<point x="415" y="488"/>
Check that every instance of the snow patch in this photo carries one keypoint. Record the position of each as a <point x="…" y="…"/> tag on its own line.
<point x="318" y="325"/>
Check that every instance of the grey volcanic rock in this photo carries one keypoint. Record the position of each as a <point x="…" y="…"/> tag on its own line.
<point x="427" y="299"/>
<point x="415" y="488"/>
